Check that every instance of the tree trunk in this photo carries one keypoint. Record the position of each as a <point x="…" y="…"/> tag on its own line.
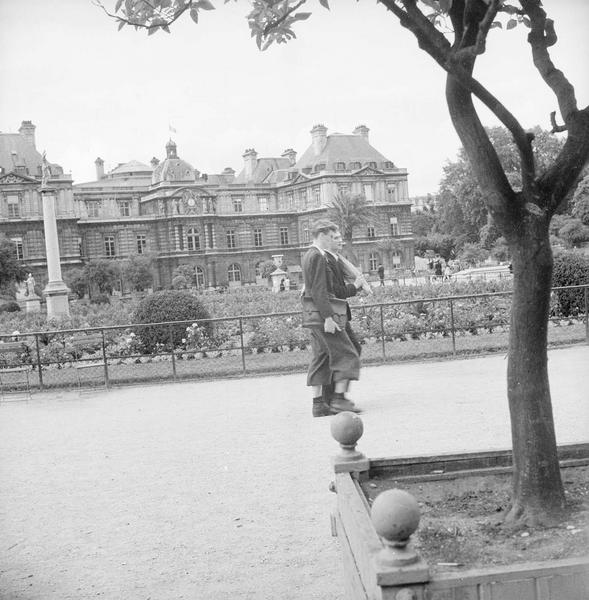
<point x="538" y="496"/>
<point x="350" y="254"/>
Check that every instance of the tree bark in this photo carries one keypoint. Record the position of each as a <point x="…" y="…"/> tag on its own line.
<point x="538" y="495"/>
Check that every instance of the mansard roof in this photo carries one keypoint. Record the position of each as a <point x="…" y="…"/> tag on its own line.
<point x="340" y="147"/>
<point x="263" y="170"/>
<point x="131" y="168"/>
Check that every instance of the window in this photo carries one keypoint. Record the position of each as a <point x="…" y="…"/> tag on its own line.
<point x="289" y="200"/>
<point x="80" y="246"/>
<point x="394" y="226"/>
<point x="237" y="204"/>
<point x="200" y="277"/>
<point x="355" y="165"/>
<point x="319" y="167"/>
<point x="283" y="236"/>
<point x="397" y="258"/>
<point x="370" y="231"/>
<point x="234" y="273"/>
<point x="109" y="246"/>
<point x="303" y="198"/>
<point x="372" y="165"/>
<point x="306" y="236"/>
<point x="317" y="196"/>
<point x="373" y="261"/>
<point x="368" y="190"/>
<point x="392" y="192"/>
<point x="343" y="188"/>
<point x="13" y="207"/>
<point x="179" y="235"/>
<point x="263" y="203"/>
<point x="258" y="268"/>
<point x="389" y="165"/>
<point x="93" y="209"/>
<point x="258" y="237"/>
<point x="231" y="238"/>
<point x="340" y="166"/>
<point x="18" y="248"/>
<point x="192" y="239"/>
<point x="124" y="208"/>
<point x="141" y="243"/>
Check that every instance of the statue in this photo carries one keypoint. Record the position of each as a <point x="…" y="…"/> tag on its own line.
<point x="30" y="282"/>
<point x="45" y="171"/>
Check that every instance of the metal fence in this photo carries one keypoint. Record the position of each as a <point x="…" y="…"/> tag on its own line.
<point x="271" y="343"/>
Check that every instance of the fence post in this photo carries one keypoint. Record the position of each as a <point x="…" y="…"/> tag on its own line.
<point x="452" y="326"/>
<point x="39" y="368"/>
<point x="106" y="382"/>
<point x="587" y="314"/>
<point x="241" y="345"/>
<point x="384" y="352"/>
<point x="171" y="335"/>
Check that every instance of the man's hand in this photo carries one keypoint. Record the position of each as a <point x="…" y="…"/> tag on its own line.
<point x="330" y="326"/>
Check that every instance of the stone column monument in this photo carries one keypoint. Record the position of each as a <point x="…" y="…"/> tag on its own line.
<point x="56" y="291"/>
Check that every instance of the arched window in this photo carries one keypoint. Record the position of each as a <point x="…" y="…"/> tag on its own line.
<point x="192" y="238"/>
<point x="373" y="261"/>
<point x="258" y="269"/>
<point x="234" y="273"/>
<point x="200" y="277"/>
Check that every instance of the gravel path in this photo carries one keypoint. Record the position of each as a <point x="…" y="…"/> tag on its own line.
<point x="220" y="489"/>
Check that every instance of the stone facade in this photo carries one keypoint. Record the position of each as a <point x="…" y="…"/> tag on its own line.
<point x="223" y="225"/>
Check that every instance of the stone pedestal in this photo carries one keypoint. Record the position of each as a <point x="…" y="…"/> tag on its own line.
<point x="32" y="304"/>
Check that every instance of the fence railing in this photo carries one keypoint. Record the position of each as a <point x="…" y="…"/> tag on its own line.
<point x="266" y="343"/>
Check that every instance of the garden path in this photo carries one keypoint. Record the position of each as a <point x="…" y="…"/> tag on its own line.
<point x="219" y="489"/>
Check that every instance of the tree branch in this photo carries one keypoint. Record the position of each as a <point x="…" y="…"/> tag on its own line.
<point x="540" y="38"/>
<point x="165" y="22"/>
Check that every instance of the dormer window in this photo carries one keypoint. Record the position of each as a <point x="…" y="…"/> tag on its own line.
<point x="319" y="167"/>
<point x="372" y="165"/>
<point x="389" y="165"/>
<point x="355" y="165"/>
<point x="340" y="166"/>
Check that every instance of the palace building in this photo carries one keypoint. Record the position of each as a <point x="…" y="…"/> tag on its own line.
<point x="225" y="225"/>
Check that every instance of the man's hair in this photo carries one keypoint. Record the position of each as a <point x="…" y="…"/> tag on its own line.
<point x="323" y="226"/>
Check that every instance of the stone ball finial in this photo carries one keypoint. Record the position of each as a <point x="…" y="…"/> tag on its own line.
<point x="347" y="428"/>
<point x="395" y="515"/>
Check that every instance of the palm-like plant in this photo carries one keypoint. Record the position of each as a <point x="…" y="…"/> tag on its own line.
<point x="348" y="211"/>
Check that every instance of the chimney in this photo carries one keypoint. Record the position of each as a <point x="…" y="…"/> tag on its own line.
<point x="291" y="155"/>
<point x="99" y="168"/>
<point x="154" y="162"/>
<point x="27" y="130"/>
<point x="319" y="138"/>
<point x="250" y="158"/>
<point x="362" y="131"/>
<point x="228" y="174"/>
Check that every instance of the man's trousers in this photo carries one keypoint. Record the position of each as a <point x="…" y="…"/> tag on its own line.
<point x="335" y="357"/>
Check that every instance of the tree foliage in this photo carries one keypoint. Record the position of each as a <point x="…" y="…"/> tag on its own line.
<point x="11" y="270"/>
<point x="137" y="271"/>
<point x="580" y="208"/>
<point x="102" y="273"/>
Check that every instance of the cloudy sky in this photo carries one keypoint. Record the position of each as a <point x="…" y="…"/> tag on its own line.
<point x="92" y="91"/>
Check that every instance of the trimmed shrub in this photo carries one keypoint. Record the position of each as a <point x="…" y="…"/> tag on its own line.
<point x="100" y="299"/>
<point x="11" y="306"/>
<point x="570" y="269"/>
<point x="165" y="306"/>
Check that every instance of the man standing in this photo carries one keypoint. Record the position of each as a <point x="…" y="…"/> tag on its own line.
<point x="335" y="359"/>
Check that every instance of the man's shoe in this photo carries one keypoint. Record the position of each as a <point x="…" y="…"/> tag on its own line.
<point x="320" y="408"/>
<point x="339" y="403"/>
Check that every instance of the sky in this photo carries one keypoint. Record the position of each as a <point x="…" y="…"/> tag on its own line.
<point x="95" y="92"/>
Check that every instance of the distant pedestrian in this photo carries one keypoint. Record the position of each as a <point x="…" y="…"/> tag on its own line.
<point x="380" y="271"/>
<point x="282" y="287"/>
<point x="447" y="272"/>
